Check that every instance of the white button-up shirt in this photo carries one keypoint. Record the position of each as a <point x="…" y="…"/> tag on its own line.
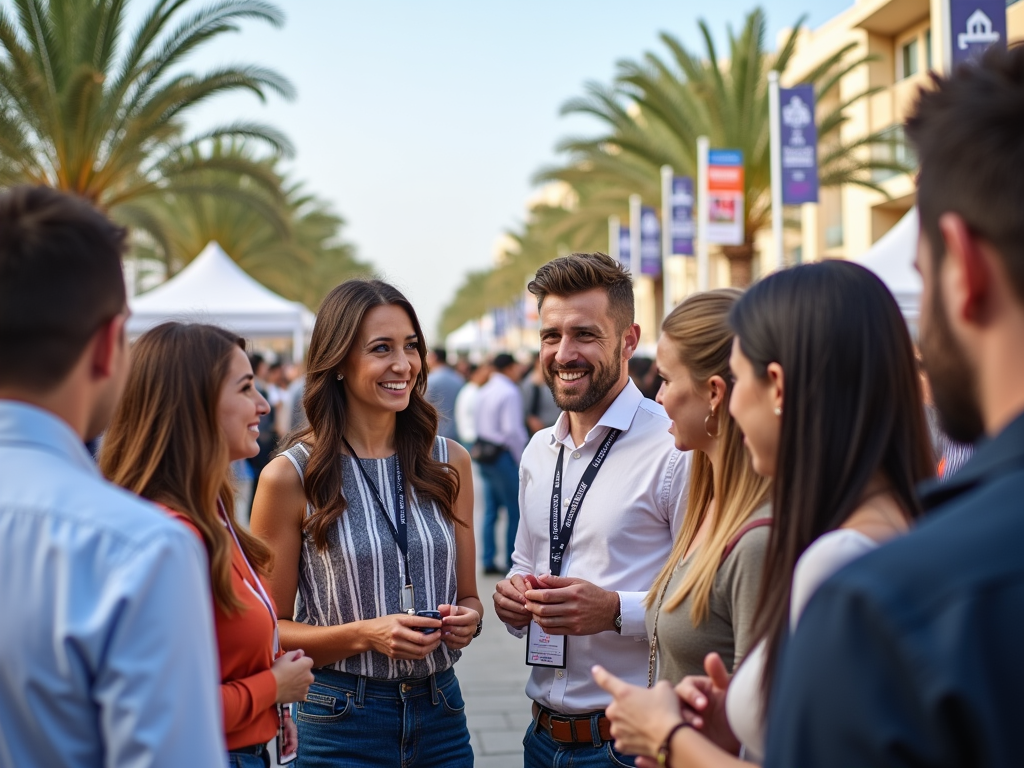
<point x="107" y="648"/>
<point x="499" y="414"/>
<point x="621" y="538"/>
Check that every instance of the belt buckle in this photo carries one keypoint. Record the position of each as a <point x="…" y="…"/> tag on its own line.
<point x="554" y="719"/>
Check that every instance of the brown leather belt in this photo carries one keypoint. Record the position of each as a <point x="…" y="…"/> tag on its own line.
<point x="566" y="729"/>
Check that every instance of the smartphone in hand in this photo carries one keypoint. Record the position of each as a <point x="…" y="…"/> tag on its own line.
<point x="428" y="615"/>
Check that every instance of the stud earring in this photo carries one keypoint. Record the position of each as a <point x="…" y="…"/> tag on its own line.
<point x="778" y="411"/>
<point x="340" y="377"/>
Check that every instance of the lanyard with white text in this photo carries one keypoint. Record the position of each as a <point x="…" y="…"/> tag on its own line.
<point x="398" y="527"/>
<point x="562" y="531"/>
<point x="259" y="590"/>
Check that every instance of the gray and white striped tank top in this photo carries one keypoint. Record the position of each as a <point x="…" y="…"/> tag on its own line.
<point x="360" y="574"/>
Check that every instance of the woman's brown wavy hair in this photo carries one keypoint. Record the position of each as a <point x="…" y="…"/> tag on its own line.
<point x="165" y="443"/>
<point x="335" y="333"/>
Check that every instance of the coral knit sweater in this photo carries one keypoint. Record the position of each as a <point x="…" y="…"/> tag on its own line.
<point x="245" y="641"/>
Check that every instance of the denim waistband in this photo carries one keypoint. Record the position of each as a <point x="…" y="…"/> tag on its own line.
<point x="363" y="686"/>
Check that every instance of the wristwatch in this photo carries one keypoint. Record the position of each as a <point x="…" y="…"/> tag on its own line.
<point x="618" y="622"/>
<point x="479" y="628"/>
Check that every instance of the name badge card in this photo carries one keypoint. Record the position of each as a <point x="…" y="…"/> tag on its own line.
<point x="544" y="650"/>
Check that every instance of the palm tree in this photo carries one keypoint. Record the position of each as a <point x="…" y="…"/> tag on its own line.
<point x="657" y="109"/>
<point x="90" y="110"/>
<point x="287" y="239"/>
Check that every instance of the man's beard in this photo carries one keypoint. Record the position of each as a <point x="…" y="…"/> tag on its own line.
<point x="603" y="378"/>
<point x="953" y="384"/>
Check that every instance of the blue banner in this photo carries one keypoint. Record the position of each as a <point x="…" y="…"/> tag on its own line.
<point x="625" y="256"/>
<point x="975" y="25"/>
<point x="650" y="242"/>
<point x="682" y="215"/>
<point x="799" y="138"/>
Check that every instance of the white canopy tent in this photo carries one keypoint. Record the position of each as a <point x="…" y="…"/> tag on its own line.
<point x="214" y="289"/>
<point x="892" y="259"/>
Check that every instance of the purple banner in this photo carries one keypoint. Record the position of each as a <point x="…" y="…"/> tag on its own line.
<point x="625" y="257"/>
<point x="650" y="242"/>
<point x="682" y="215"/>
<point x="799" y="145"/>
<point x="975" y="25"/>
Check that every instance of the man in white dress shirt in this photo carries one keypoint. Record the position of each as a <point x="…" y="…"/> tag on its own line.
<point x="585" y="584"/>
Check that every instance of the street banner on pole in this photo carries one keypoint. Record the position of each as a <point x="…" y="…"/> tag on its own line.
<point x="650" y="242"/>
<point x="682" y="215"/>
<point x="625" y="257"/>
<point x="974" y="26"/>
<point x="799" y="145"/>
<point x="725" y="197"/>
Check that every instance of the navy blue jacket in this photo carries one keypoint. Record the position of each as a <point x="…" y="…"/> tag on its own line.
<point x="914" y="654"/>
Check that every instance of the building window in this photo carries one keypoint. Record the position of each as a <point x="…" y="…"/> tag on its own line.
<point x="908" y="58"/>
<point x="928" y="49"/>
<point x="893" y="148"/>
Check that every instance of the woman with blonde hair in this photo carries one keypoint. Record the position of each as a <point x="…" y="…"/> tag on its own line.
<point x="703" y="600"/>
<point x="189" y="409"/>
<point x="370" y="517"/>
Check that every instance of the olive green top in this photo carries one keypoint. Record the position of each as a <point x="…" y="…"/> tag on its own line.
<point x="727" y="630"/>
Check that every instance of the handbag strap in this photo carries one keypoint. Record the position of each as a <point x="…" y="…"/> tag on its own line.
<point x="761" y="522"/>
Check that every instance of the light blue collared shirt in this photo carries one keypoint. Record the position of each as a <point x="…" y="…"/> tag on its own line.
<point x="107" y="650"/>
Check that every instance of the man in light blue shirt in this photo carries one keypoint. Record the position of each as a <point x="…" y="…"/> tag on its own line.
<point x="106" y="642"/>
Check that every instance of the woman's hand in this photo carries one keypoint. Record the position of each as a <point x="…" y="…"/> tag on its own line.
<point x="703" y="700"/>
<point x="396" y="636"/>
<point x="458" y="625"/>
<point x="641" y="717"/>
<point x="291" y="671"/>
<point x="291" y="735"/>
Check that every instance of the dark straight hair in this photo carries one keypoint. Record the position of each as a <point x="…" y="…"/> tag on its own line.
<point x="334" y="335"/>
<point x="852" y="408"/>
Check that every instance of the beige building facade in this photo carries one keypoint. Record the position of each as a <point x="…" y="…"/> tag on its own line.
<point x="906" y="39"/>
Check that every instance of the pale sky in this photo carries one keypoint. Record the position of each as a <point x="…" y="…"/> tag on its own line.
<point x="423" y="121"/>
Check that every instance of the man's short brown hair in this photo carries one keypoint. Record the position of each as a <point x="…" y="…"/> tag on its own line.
<point x="579" y="272"/>
<point x="968" y="130"/>
<point x="60" y="281"/>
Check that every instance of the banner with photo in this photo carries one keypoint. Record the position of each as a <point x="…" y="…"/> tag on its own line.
<point x="725" y="215"/>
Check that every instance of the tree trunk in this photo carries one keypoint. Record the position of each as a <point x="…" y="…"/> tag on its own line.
<point x="741" y="264"/>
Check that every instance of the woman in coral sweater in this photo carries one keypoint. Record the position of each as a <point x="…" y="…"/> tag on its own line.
<point x="189" y="409"/>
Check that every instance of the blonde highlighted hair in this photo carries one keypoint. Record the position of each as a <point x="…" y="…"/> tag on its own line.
<point x="699" y="331"/>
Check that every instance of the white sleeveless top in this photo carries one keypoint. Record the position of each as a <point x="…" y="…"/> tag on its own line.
<point x="825" y="556"/>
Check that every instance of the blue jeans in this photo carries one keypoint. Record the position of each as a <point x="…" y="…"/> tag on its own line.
<point x="501" y="489"/>
<point x="541" y="751"/>
<point x="359" y="721"/>
<point x="246" y="760"/>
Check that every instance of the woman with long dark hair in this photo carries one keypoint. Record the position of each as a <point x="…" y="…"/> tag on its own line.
<point x="827" y="396"/>
<point x="370" y="518"/>
<point x="189" y="409"/>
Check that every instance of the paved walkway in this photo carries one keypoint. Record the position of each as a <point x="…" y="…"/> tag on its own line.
<point x="493" y="673"/>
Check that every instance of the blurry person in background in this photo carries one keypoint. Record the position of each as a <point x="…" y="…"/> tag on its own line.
<point x="500" y="440"/>
<point x="189" y="409"/>
<point x="910" y="657"/>
<point x="465" y="403"/>
<point x="267" y="437"/>
<point x="443" y="385"/>
<point x="644" y="374"/>
<point x="107" y="633"/>
<point x="538" y="402"/>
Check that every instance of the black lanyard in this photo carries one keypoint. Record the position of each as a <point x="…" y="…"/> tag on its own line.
<point x="399" y="527"/>
<point x="562" y="531"/>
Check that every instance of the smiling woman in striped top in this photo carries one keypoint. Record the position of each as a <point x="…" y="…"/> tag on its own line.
<point x="370" y="517"/>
